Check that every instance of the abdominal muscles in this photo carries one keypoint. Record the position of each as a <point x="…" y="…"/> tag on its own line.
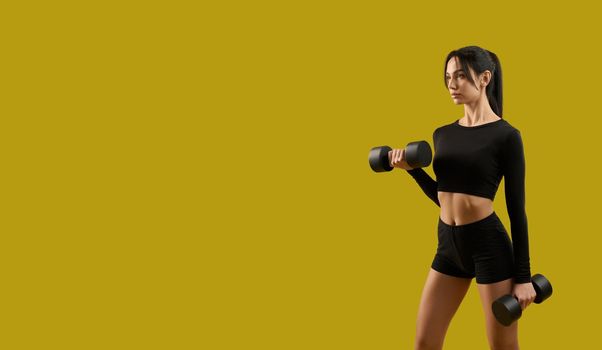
<point x="462" y="208"/>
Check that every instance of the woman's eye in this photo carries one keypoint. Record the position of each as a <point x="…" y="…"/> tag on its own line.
<point x="459" y="76"/>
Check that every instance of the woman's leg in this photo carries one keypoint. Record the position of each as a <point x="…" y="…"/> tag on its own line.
<point x="500" y="337"/>
<point x="441" y="297"/>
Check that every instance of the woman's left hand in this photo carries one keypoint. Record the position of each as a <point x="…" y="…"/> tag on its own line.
<point x="524" y="293"/>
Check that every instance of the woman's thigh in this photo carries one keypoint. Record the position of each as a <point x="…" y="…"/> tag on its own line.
<point x="499" y="336"/>
<point x="441" y="297"/>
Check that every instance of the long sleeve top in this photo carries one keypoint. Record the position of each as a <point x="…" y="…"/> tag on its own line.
<point x="473" y="160"/>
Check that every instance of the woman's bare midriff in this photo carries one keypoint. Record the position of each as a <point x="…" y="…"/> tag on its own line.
<point x="462" y="208"/>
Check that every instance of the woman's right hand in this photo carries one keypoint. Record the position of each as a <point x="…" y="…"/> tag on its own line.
<point x="397" y="159"/>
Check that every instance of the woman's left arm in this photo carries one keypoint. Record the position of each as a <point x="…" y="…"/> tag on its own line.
<point x="514" y="180"/>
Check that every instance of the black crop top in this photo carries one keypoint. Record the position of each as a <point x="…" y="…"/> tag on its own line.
<point x="472" y="160"/>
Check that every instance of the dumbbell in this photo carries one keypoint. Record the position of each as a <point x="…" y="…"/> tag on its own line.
<point x="507" y="309"/>
<point x="417" y="154"/>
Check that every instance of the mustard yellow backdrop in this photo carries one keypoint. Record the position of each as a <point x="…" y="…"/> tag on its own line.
<point x="194" y="175"/>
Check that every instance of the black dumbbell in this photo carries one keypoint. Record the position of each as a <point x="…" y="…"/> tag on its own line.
<point x="507" y="309"/>
<point x="417" y="154"/>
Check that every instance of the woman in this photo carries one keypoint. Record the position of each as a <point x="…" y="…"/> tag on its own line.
<point x="471" y="156"/>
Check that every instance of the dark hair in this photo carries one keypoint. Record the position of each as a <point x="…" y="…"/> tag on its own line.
<point x="480" y="60"/>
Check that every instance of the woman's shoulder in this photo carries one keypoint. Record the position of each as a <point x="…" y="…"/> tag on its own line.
<point x="510" y="130"/>
<point x="508" y="125"/>
<point x="446" y="125"/>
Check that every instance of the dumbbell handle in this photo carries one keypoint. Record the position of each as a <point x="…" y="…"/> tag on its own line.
<point x="404" y="159"/>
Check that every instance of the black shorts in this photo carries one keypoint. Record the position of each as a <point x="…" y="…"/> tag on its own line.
<point x="481" y="248"/>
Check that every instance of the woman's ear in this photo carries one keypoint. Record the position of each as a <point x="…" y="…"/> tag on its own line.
<point x="486" y="78"/>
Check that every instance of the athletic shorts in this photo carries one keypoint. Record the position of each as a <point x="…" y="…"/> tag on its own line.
<point x="481" y="248"/>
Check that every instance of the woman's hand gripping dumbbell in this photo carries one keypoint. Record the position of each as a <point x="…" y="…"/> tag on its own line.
<point x="416" y="155"/>
<point x="507" y="309"/>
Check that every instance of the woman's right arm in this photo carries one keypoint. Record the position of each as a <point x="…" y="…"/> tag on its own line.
<point x="424" y="180"/>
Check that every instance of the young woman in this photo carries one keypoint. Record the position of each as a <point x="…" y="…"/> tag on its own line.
<point x="471" y="156"/>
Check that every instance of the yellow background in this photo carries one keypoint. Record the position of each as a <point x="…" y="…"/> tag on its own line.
<point x="194" y="175"/>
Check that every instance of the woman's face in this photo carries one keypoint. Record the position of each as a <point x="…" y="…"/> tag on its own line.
<point x="458" y="83"/>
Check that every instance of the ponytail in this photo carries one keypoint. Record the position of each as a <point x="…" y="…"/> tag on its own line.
<point x="494" y="88"/>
